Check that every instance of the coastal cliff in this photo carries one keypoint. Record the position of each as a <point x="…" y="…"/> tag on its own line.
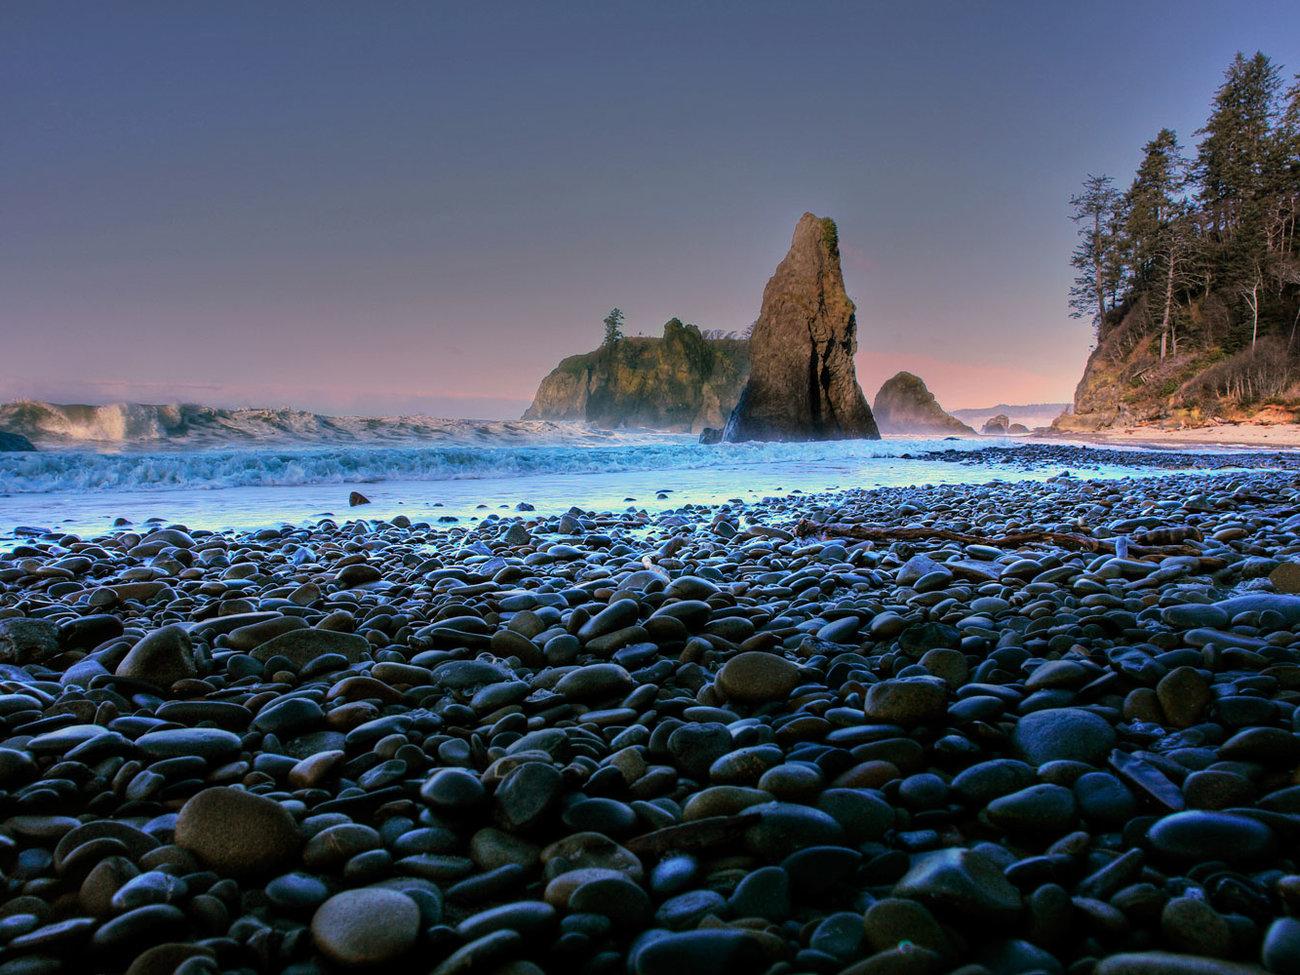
<point x="680" y="381"/>
<point x="1127" y="382"/>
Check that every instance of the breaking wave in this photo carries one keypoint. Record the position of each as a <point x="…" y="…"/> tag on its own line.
<point x="186" y="426"/>
<point x="80" y="470"/>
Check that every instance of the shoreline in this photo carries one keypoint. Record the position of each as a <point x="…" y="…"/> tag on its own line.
<point x="691" y="737"/>
<point x="1226" y="435"/>
<point x="211" y="496"/>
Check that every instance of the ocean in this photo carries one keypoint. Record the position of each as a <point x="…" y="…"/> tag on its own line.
<point x="83" y="489"/>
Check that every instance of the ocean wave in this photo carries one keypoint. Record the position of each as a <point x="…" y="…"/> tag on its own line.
<point x="79" y="470"/>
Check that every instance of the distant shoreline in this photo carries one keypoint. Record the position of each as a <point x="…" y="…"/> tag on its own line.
<point x="1275" y="435"/>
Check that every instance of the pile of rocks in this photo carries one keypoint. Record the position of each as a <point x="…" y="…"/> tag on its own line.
<point x="681" y="743"/>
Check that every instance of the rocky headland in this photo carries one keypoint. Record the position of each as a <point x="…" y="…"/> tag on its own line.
<point x="1190" y="272"/>
<point x="680" y="382"/>
<point x="802" y="382"/>
<point x="904" y="404"/>
<point x="1034" y="727"/>
<point x="1127" y="383"/>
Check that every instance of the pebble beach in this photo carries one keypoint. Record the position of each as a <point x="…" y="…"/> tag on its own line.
<point x="1047" y="726"/>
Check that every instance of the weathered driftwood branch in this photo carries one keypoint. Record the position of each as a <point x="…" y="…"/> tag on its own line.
<point x="1086" y="543"/>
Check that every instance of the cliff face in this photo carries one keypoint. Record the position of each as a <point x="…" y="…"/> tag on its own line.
<point x="802" y="383"/>
<point x="905" y="405"/>
<point x="681" y="382"/>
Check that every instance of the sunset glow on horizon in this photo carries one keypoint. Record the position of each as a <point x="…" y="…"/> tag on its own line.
<point x="417" y="208"/>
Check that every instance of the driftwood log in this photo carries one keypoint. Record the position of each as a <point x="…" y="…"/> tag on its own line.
<point x="1086" y="543"/>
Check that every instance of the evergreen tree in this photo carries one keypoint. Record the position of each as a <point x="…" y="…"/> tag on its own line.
<point x="1097" y="257"/>
<point x="1153" y="202"/>
<point x="1234" y="154"/>
<point x="1286" y="239"/>
<point x="1285" y="175"/>
<point x="1155" y="226"/>
<point x="613" y="327"/>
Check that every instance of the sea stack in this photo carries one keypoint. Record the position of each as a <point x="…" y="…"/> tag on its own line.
<point x="802" y="382"/>
<point x="996" y="426"/>
<point x="905" y="405"/>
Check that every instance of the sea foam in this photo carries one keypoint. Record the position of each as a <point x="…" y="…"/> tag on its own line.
<point x="81" y="470"/>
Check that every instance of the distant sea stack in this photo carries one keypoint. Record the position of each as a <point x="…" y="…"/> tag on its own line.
<point x="997" y="426"/>
<point x="802" y="383"/>
<point x="904" y="405"/>
<point x="681" y="382"/>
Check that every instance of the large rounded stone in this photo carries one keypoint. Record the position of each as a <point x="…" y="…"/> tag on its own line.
<point x="528" y="795"/>
<point x="595" y="681"/>
<point x="961" y="883"/>
<point x="163" y="959"/>
<point x="162" y="658"/>
<point x="753" y="677"/>
<point x="238" y="833"/>
<point x="209" y="743"/>
<point x="1171" y="963"/>
<point x="907" y="700"/>
<point x="1184" y="694"/>
<point x="26" y="641"/>
<point x="453" y="790"/>
<point x="1069" y="734"/>
<point x="303" y="646"/>
<point x="367" y="927"/>
<point x="1041" y="808"/>
<point x="1197" y="835"/>
<point x="1281" y="951"/>
<point x="708" y="951"/>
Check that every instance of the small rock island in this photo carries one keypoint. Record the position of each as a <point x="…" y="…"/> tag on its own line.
<point x="905" y="405"/>
<point x="682" y="382"/>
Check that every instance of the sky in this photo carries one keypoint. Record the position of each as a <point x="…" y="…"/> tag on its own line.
<point x="421" y="207"/>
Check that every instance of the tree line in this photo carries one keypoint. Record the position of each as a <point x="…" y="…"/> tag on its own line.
<point x="1200" y="252"/>
<point x="613" y="331"/>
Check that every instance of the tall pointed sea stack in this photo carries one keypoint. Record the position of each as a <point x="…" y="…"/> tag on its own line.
<point x="802" y="383"/>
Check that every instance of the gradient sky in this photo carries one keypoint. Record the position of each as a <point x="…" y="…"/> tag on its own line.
<point x="382" y="207"/>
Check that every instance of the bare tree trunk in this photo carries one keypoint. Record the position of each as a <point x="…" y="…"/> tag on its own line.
<point x="1169" y="301"/>
<point x="1097" y="258"/>
<point x="1252" y="299"/>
